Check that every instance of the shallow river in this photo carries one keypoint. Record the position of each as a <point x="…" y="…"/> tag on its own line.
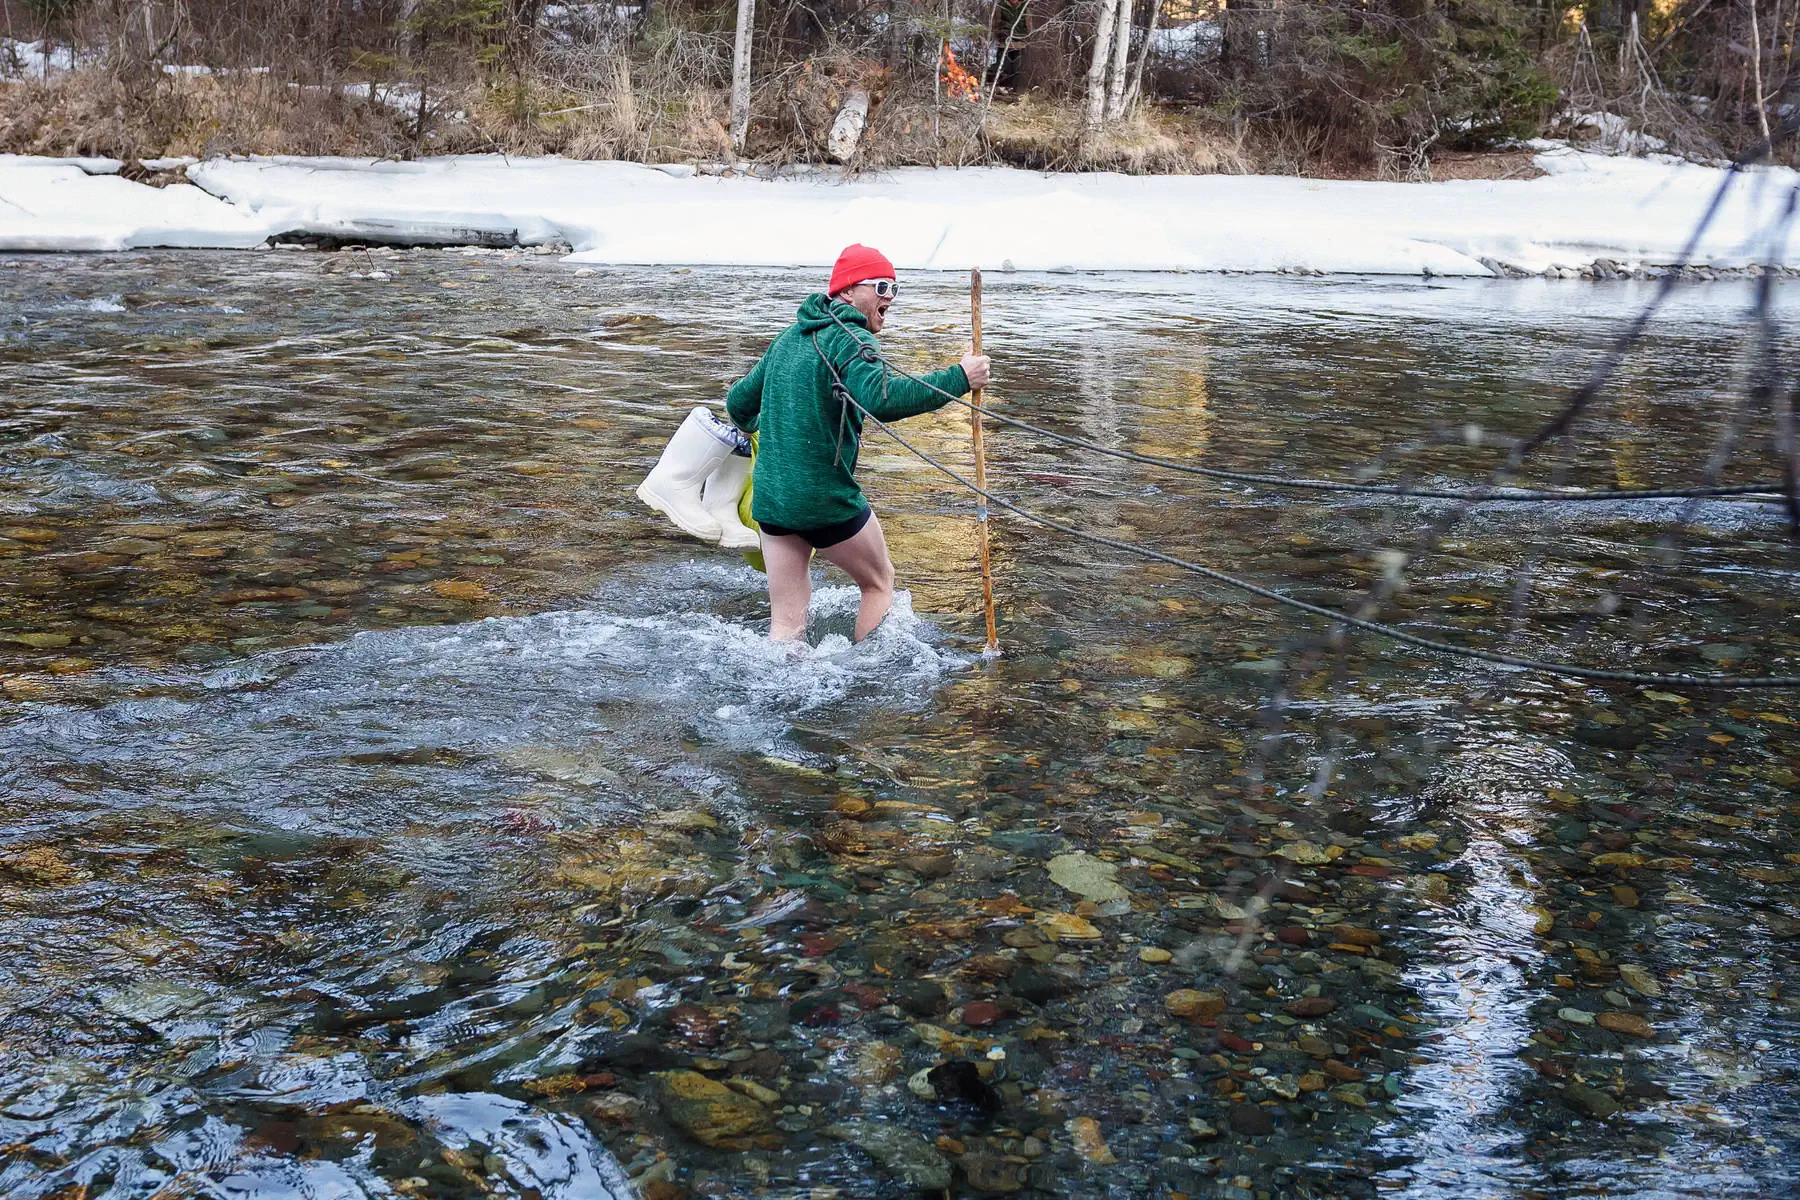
<point x="391" y="807"/>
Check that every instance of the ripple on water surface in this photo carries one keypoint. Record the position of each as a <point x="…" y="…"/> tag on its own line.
<point x="394" y="808"/>
<point x="440" y="722"/>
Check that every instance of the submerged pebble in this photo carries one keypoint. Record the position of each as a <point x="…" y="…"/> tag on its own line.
<point x="383" y="738"/>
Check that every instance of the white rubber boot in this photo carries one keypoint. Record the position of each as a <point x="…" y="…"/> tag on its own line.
<point x="724" y="488"/>
<point x="673" y="486"/>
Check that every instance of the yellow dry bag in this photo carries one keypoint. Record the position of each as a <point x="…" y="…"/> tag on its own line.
<point x="753" y="557"/>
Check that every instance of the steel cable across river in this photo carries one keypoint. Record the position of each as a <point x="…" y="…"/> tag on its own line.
<point x="394" y="807"/>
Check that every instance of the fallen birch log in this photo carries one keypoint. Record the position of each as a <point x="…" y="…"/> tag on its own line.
<point x="847" y="130"/>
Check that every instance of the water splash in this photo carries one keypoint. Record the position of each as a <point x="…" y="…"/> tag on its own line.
<point x="594" y="707"/>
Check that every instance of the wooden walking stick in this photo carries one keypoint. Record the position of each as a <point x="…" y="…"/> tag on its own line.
<point x="981" y="507"/>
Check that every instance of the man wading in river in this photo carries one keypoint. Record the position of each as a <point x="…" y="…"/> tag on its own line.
<point x="804" y="493"/>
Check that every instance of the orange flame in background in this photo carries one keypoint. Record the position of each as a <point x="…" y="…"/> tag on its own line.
<point x="959" y="83"/>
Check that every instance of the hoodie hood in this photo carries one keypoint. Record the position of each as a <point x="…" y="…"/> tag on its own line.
<point x="817" y="311"/>
<point x="809" y="439"/>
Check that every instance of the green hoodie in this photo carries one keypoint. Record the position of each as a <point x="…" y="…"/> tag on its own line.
<point x="804" y="477"/>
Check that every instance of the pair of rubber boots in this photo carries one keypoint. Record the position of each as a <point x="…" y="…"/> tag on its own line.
<point x="699" y="480"/>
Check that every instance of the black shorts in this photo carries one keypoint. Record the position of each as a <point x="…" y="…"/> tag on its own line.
<point x="824" y="535"/>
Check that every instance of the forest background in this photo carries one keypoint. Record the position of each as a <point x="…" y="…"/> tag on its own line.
<point x="1397" y="89"/>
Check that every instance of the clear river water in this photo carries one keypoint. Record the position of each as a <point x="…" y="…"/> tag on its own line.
<point x="389" y="806"/>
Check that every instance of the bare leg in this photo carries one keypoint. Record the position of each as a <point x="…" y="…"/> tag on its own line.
<point x="790" y="586"/>
<point x="865" y="558"/>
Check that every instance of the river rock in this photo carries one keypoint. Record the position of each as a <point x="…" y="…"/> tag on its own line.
<point x="709" y="1112"/>
<point x="24" y="689"/>
<point x="930" y="866"/>
<point x="632" y="1051"/>
<point x="1251" y="1120"/>
<point x="460" y="589"/>
<point x="900" y="1150"/>
<point x="128" y="546"/>
<point x="991" y="1173"/>
<point x="980" y="1013"/>
<point x="1035" y="985"/>
<point x="43" y="865"/>
<point x="38" y="641"/>
<point x="1284" y="1086"/>
<point x="754" y="1090"/>
<point x="1192" y="1005"/>
<point x="1310" y="1006"/>
<point x="1089" y="1142"/>
<point x="1626" y="1023"/>
<point x="1067" y="927"/>
<point x="960" y="1081"/>
<point x="1355" y="935"/>
<point x="1590" y="1100"/>
<point x="1088" y="877"/>
<point x="921" y="997"/>
<point x="1307" y="854"/>
<point x="874" y="1064"/>
<point x="153" y="1000"/>
<point x="991" y="966"/>
<point x="1639" y="980"/>
<point x="1576" y="1016"/>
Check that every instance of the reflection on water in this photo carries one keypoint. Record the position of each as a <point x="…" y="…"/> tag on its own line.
<point x="1475" y="978"/>
<point x="393" y="808"/>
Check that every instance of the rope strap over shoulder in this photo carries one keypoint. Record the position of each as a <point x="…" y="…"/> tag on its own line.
<point x="841" y="394"/>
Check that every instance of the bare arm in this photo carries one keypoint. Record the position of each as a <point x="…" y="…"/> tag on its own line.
<point x="891" y="397"/>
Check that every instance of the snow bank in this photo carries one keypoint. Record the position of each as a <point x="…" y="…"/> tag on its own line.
<point x="1588" y="207"/>
<point x="1193" y="39"/>
<point x="77" y="204"/>
<point x="479" y="199"/>
<point x="34" y="60"/>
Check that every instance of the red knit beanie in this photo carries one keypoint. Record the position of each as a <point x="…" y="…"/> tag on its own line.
<point x="857" y="263"/>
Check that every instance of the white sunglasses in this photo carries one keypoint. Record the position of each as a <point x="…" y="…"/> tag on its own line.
<point x="885" y="289"/>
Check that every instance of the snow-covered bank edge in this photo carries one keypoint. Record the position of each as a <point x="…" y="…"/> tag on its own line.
<point x="1588" y="216"/>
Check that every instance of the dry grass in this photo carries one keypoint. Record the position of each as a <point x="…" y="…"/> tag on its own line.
<point x="95" y="113"/>
<point x="1485" y="164"/>
<point x="92" y="113"/>
<point x="625" y="123"/>
<point x="671" y="108"/>
<point x="666" y="104"/>
<point x="1044" y="136"/>
<point x="76" y="116"/>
